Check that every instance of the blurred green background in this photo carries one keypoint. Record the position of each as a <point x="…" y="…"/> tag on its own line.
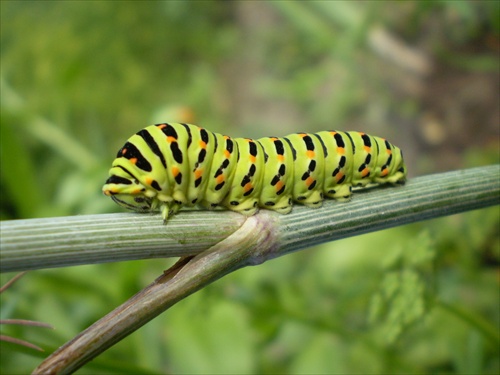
<point x="79" y="77"/>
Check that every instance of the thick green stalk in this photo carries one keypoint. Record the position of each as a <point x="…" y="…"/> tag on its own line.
<point x="57" y="242"/>
<point x="87" y="239"/>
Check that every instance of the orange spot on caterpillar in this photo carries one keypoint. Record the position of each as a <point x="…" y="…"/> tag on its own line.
<point x="280" y="158"/>
<point x="148" y="180"/>
<point x="171" y="139"/>
<point x="385" y="171"/>
<point x="339" y="176"/>
<point x="278" y="185"/>
<point x="367" y="148"/>
<point x="203" y="144"/>
<point x="220" y="179"/>
<point x="136" y="191"/>
<point x="124" y="151"/>
<point x="251" y="158"/>
<point x="175" y="171"/>
<point x="227" y="154"/>
<point x="309" y="181"/>
<point x="310" y="154"/>
<point x="198" y="173"/>
<point x="247" y="187"/>
<point x="341" y="150"/>
<point x="365" y="172"/>
<point x="133" y="160"/>
<point x="388" y="150"/>
<point x="162" y="126"/>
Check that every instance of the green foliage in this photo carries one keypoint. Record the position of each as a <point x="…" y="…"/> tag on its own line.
<point x="79" y="77"/>
<point x="401" y="298"/>
<point x="58" y="92"/>
<point x="23" y="198"/>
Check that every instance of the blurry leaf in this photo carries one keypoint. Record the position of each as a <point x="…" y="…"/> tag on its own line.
<point x="320" y="354"/>
<point x="474" y="320"/>
<point x="80" y="192"/>
<point x="18" y="174"/>
<point x="469" y="354"/>
<point x="415" y="253"/>
<point x="52" y="135"/>
<point x="347" y="14"/>
<point x="304" y="18"/>
<point x="174" y="113"/>
<point x="421" y="252"/>
<point x="400" y="300"/>
<point x="217" y="340"/>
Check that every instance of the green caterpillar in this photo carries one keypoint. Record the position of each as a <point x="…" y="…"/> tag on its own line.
<point x="164" y="167"/>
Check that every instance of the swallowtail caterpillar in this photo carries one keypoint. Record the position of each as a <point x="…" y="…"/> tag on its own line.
<point x="164" y="167"/>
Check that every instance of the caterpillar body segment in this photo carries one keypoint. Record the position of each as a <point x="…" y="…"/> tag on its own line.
<point x="277" y="189"/>
<point x="165" y="167"/>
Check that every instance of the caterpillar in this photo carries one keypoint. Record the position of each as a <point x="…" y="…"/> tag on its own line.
<point x="165" y="167"/>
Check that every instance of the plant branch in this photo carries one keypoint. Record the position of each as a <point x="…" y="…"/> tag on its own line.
<point x="67" y="241"/>
<point x="87" y="239"/>
<point x="184" y="278"/>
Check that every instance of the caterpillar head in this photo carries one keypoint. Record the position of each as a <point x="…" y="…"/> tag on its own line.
<point x="128" y="192"/>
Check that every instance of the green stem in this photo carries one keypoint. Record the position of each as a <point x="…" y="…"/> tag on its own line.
<point x="87" y="239"/>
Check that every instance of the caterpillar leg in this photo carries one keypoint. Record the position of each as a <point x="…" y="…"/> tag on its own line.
<point x="168" y="209"/>
<point x="315" y="200"/>
<point x="283" y="210"/>
<point x="282" y="205"/>
<point x="398" y="179"/>
<point x="342" y="193"/>
<point x="247" y="208"/>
